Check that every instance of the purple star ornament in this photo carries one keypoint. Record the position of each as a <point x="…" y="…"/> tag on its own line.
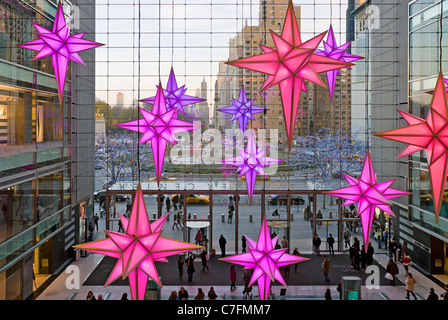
<point x="333" y="51"/>
<point x="242" y="110"/>
<point x="175" y="96"/>
<point x="250" y="162"/>
<point x="61" y="46"/>
<point x="159" y="127"/>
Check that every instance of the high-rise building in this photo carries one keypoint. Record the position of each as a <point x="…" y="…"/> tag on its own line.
<point x="120" y="99"/>
<point x="46" y="151"/>
<point x="317" y="110"/>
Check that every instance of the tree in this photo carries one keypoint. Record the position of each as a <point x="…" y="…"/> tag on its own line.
<point x="328" y="153"/>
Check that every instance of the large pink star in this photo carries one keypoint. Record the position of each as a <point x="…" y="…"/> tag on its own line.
<point x="138" y="248"/>
<point x="265" y="260"/>
<point x="289" y="65"/>
<point x="251" y="162"/>
<point x="368" y="194"/>
<point x="160" y="127"/>
<point x="62" y="47"/>
<point x="430" y="135"/>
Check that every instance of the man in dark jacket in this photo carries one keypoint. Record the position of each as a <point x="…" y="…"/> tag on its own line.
<point x="316" y="244"/>
<point x="222" y="245"/>
<point x="330" y="241"/>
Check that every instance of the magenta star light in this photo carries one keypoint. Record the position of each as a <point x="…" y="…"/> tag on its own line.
<point x="289" y="65"/>
<point x="159" y="127"/>
<point x="431" y="135"/>
<point x="250" y="162"/>
<point x="175" y="96"/>
<point x="264" y="260"/>
<point x="60" y="45"/>
<point x="242" y="110"/>
<point x="138" y="248"/>
<point x="368" y="194"/>
<point x="333" y="51"/>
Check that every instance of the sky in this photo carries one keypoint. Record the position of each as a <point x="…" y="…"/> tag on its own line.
<point x="192" y="39"/>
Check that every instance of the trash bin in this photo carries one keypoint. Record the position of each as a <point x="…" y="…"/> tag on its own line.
<point x="223" y="218"/>
<point x="351" y="288"/>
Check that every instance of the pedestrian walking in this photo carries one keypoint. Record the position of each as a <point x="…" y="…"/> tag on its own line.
<point x="243" y="243"/>
<point x="180" y="267"/>
<point x="222" y="245"/>
<point x="404" y="249"/>
<point x="326" y="268"/>
<point x="347" y="238"/>
<point x="96" y="219"/>
<point x="363" y="257"/>
<point x="316" y="243"/>
<point x="406" y="260"/>
<point x="120" y="226"/>
<point x="246" y="279"/>
<point x="379" y="238"/>
<point x="393" y="249"/>
<point x="128" y="204"/>
<point x="432" y="295"/>
<point x="198" y="237"/>
<point x="330" y="242"/>
<point x="285" y="243"/>
<point x="410" y="281"/>
<point x="391" y="271"/>
<point x="190" y="266"/>
<point x="296" y="253"/>
<point x="204" y="259"/>
<point x="232" y="278"/>
<point x="369" y="254"/>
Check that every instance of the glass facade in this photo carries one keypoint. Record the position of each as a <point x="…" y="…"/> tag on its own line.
<point x="35" y="174"/>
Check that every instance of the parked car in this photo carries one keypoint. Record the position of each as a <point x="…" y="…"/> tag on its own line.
<point x="258" y="178"/>
<point x="101" y="195"/>
<point x="283" y="198"/>
<point x="194" y="198"/>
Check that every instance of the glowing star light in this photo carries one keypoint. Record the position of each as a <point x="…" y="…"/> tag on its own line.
<point x="331" y="50"/>
<point x="430" y="135"/>
<point x="264" y="260"/>
<point x="250" y="162"/>
<point x="160" y="127"/>
<point x="368" y="194"/>
<point x="60" y="45"/>
<point x="138" y="248"/>
<point x="242" y="110"/>
<point x="175" y="96"/>
<point x="289" y="65"/>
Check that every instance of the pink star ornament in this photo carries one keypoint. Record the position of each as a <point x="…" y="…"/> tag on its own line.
<point x="289" y="65"/>
<point x="333" y="51"/>
<point x="368" y="194"/>
<point x="138" y="248"/>
<point x="250" y="162"/>
<point x="264" y="260"/>
<point x="61" y="46"/>
<point x="158" y="126"/>
<point x="430" y="135"/>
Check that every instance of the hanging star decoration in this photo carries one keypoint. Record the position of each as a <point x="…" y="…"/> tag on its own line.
<point x="242" y="110"/>
<point x="265" y="260"/>
<point x="331" y="50"/>
<point x="430" y="135"/>
<point x="61" y="46"/>
<point x="175" y="96"/>
<point x="227" y="170"/>
<point x="289" y="65"/>
<point x="138" y="248"/>
<point x="368" y="194"/>
<point x="158" y="126"/>
<point x="250" y="162"/>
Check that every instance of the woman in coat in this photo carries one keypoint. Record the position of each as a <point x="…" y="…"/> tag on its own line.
<point x="410" y="281"/>
<point x="190" y="267"/>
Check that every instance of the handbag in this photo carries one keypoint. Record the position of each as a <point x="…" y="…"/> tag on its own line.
<point x="389" y="276"/>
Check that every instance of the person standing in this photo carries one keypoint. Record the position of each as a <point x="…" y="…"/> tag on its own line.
<point x="222" y="245"/>
<point x="432" y="295"/>
<point x="91" y="230"/>
<point x="204" y="260"/>
<point x="363" y="257"/>
<point x="393" y="249"/>
<point x="246" y="279"/>
<point x="330" y="241"/>
<point x="243" y="243"/>
<point x="232" y="278"/>
<point x="198" y="237"/>
<point x="180" y="267"/>
<point x="347" y="238"/>
<point x="410" y="281"/>
<point x="96" y="219"/>
<point x="406" y="259"/>
<point x="128" y="204"/>
<point x="316" y="244"/>
<point x="190" y="266"/>
<point x="378" y="237"/>
<point x="392" y="269"/>
<point x="285" y="243"/>
<point x="326" y="268"/>
<point x="369" y="255"/>
<point x="328" y="295"/>
<point x="296" y="253"/>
